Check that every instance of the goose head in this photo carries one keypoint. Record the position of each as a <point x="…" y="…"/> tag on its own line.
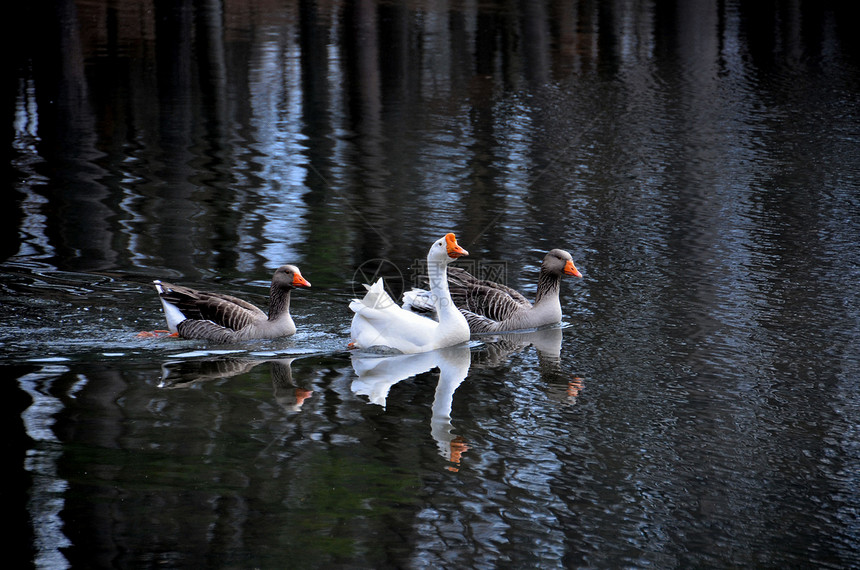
<point x="288" y="277"/>
<point x="560" y="262"/>
<point x="445" y="250"/>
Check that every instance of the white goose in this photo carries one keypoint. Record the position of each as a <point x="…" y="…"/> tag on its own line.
<point x="223" y="318"/>
<point x="380" y="323"/>
<point x="492" y="307"/>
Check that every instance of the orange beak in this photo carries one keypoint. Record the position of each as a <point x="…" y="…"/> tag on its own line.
<point x="454" y="249"/>
<point x="570" y="269"/>
<point x="299" y="281"/>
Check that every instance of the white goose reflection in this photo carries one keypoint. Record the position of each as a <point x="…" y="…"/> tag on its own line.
<point x="377" y="374"/>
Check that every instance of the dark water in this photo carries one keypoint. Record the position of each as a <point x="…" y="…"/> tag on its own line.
<point x="698" y="407"/>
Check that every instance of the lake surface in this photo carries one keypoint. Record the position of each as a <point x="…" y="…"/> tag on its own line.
<point x="699" y="406"/>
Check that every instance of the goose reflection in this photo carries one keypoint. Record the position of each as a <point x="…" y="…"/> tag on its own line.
<point x="546" y="341"/>
<point x="377" y="374"/>
<point x="288" y="395"/>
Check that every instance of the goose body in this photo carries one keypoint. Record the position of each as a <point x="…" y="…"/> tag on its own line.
<point x="379" y="322"/>
<point x="493" y="307"/>
<point x="224" y="318"/>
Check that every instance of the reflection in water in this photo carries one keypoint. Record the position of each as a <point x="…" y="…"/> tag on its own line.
<point x="547" y="342"/>
<point x="498" y="348"/>
<point x="223" y="139"/>
<point x="186" y="373"/>
<point x="377" y="374"/>
<point x="45" y="495"/>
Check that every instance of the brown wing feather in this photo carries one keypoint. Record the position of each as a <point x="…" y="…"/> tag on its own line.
<point x="224" y="310"/>
<point x="479" y="323"/>
<point x="489" y="302"/>
<point x="206" y="330"/>
<point x="460" y="278"/>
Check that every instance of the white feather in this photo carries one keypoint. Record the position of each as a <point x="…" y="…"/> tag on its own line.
<point x="380" y="322"/>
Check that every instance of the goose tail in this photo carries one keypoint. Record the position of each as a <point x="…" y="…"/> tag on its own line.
<point x="172" y="313"/>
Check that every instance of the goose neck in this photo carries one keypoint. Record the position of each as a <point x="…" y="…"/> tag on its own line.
<point x="279" y="302"/>
<point x="437" y="272"/>
<point x="548" y="286"/>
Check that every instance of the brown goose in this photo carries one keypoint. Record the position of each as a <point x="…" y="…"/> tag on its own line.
<point x="492" y="307"/>
<point x="223" y="318"/>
